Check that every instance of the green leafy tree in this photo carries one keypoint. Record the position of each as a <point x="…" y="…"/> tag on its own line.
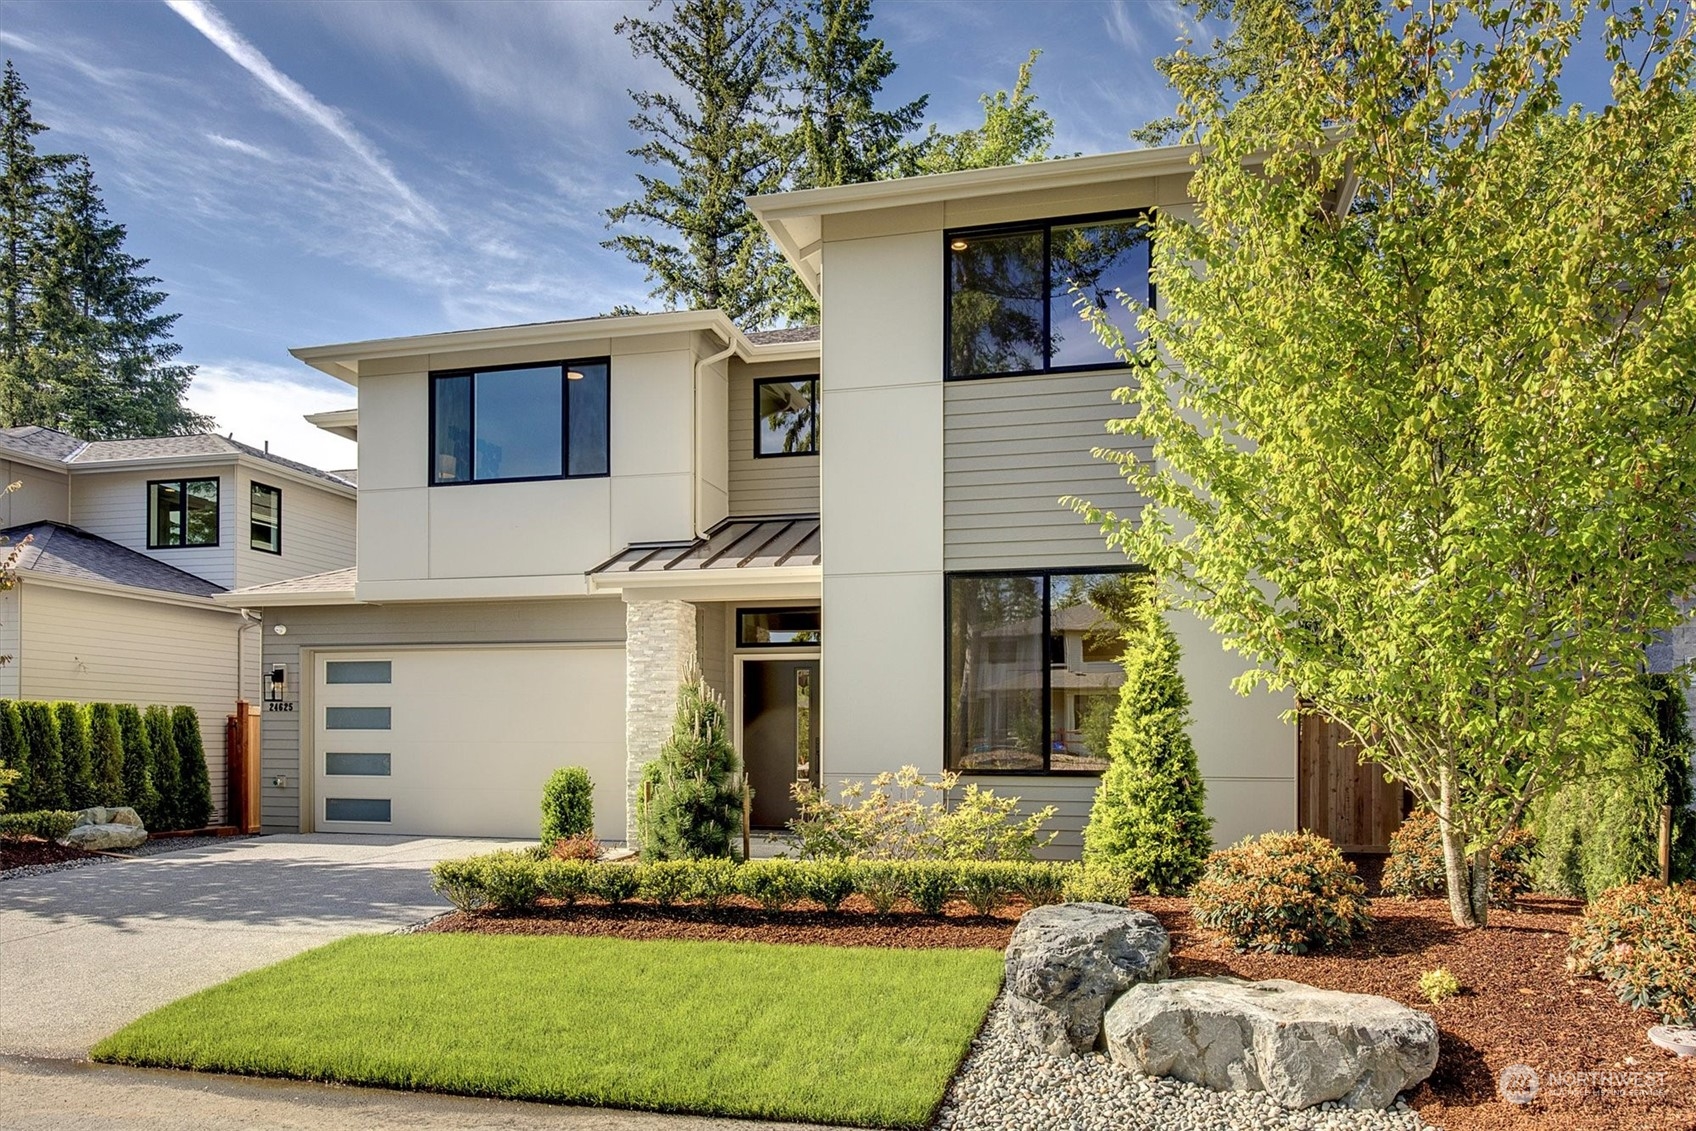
<point x="194" y="798"/>
<point x="75" y="746"/>
<point x="15" y="753"/>
<point x="164" y="766"/>
<point x="713" y="143"/>
<point x="694" y="787"/>
<point x="106" y="755"/>
<point x="1427" y="460"/>
<point x="41" y="735"/>
<point x="139" y="791"/>
<point x="1014" y="131"/>
<point x="1149" y="822"/>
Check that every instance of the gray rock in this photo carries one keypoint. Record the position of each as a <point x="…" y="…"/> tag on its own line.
<point x="122" y="815"/>
<point x="99" y="838"/>
<point x="1300" y="1045"/>
<point x="1066" y="962"/>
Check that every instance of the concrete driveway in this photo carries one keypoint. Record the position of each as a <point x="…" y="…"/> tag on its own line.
<point x="85" y="951"/>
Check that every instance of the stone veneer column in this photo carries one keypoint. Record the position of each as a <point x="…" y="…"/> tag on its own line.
<point x="660" y="650"/>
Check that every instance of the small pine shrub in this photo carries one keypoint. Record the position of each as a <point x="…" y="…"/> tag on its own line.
<point x="881" y="882"/>
<point x="165" y="765"/>
<point x="773" y="884"/>
<point x="583" y="846"/>
<point x="1096" y="883"/>
<point x="41" y="733"/>
<point x="194" y="799"/>
<point x="568" y="805"/>
<point x="694" y="787"/>
<point x="566" y="880"/>
<point x="74" y="749"/>
<point x="14" y="753"/>
<point x="106" y="755"/>
<point x="1641" y="940"/>
<point x="664" y="882"/>
<point x="828" y="882"/>
<point x="1283" y="892"/>
<point x="48" y="824"/>
<point x="139" y="789"/>
<point x="1438" y="985"/>
<point x="1414" y="869"/>
<point x="614" y="883"/>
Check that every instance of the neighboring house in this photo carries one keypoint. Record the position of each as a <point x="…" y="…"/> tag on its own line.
<point x="121" y="546"/>
<point x="851" y="530"/>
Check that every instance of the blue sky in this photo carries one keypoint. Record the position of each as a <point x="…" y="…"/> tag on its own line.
<point x="309" y="172"/>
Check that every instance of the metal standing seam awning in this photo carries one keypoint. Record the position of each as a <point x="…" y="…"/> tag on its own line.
<point x="740" y="554"/>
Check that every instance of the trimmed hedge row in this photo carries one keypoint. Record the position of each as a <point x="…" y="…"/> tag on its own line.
<point x="514" y="880"/>
<point x="48" y="824"/>
<point x="73" y="756"/>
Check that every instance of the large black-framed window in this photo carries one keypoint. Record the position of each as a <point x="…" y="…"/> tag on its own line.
<point x="1012" y="293"/>
<point x="182" y="512"/>
<point x="786" y="416"/>
<point x="265" y="518"/>
<point x="515" y="423"/>
<point x="1032" y="661"/>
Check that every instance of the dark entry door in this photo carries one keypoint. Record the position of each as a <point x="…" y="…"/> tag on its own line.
<point x="780" y="734"/>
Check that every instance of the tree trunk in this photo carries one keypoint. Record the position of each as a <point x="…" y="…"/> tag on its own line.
<point x="1480" y="890"/>
<point x="1456" y="869"/>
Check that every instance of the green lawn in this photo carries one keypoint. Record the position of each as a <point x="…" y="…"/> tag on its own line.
<point x="865" y="1036"/>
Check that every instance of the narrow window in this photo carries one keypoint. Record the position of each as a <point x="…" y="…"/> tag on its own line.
<point x="356" y="718"/>
<point x="358" y="671"/>
<point x="786" y="416"/>
<point x="371" y="809"/>
<point x="777" y="628"/>
<point x="521" y="422"/>
<point x="182" y="512"/>
<point x="266" y="521"/>
<point x="356" y="765"/>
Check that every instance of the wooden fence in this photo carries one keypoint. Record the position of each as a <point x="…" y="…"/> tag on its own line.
<point x="1339" y="796"/>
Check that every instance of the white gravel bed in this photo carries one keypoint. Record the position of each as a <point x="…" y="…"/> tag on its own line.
<point x="149" y="847"/>
<point x="1007" y="1086"/>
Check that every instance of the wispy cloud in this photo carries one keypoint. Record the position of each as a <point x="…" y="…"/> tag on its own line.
<point x="264" y="404"/>
<point x="236" y="145"/>
<point x="208" y="22"/>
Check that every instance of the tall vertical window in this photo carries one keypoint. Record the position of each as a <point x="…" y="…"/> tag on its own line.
<point x="1033" y="668"/>
<point x="786" y="416"/>
<point x="265" y="523"/>
<point x="547" y="421"/>
<point x="1017" y="293"/>
<point x="182" y="512"/>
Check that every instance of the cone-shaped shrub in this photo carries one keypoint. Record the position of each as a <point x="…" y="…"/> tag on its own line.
<point x="165" y="765"/>
<point x="139" y="789"/>
<point x="694" y="787"/>
<point x="14" y="752"/>
<point x="194" y="788"/>
<point x="106" y="754"/>
<point x="568" y="805"/>
<point x="71" y="720"/>
<point x="1148" y="822"/>
<point x="41" y="734"/>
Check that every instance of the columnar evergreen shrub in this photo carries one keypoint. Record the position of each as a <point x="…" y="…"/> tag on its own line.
<point x="1283" y="892"/>
<point x="568" y="804"/>
<point x="106" y="755"/>
<point x="139" y="789"/>
<point x="164" y="765"/>
<point x="194" y="796"/>
<point x="694" y="787"/>
<point x="41" y="734"/>
<point x="1148" y="821"/>
<point x="14" y="752"/>
<point x="71" y="720"/>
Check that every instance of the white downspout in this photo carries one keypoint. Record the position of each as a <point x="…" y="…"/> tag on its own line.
<point x="248" y="620"/>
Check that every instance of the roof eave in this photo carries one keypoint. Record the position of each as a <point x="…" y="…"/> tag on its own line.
<point x="247" y="599"/>
<point x="34" y="576"/>
<point x="217" y="459"/>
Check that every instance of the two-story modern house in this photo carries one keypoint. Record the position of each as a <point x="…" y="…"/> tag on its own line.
<point x="121" y="546"/>
<point x="851" y="530"/>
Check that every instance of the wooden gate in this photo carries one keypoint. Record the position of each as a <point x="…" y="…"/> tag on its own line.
<point x="1337" y="795"/>
<point x="241" y="743"/>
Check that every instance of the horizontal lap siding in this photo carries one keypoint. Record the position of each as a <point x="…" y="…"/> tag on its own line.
<point x="1012" y="447"/>
<point x="583" y="620"/>
<point x="318" y="532"/>
<point x="780" y="485"/>
<point x="114" y="506"/>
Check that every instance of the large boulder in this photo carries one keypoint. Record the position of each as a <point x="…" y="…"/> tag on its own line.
<point x="1300" y="1045"/>
<point x="1066" y="962"/>
<point x="103" y="829"/>
<point x="121" y="815"/>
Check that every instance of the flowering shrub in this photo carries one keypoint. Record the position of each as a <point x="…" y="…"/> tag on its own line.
<point x="1414" y="869"/>
<point x="1284" y="892"/>
<point x="906" y="817"/>
<point x="1641" y="940"/>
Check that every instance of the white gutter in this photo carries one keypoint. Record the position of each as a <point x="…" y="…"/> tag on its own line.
<point x="130" y="592"/>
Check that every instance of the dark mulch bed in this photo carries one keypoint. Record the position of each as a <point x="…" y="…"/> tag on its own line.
<point x="1519" y="1007"/>
<point x="21" y="852"/>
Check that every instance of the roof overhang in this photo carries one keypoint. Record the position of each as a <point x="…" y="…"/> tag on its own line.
<point x="796" y="219"/>
<point x="343" y="422"/>
<point x="247" y="599"/>
<point x="770" y="583"/>
<point x="264" y="468"/>
<point x="129" y="592"/>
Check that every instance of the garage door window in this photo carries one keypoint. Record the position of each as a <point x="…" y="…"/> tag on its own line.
<point x="356" y="718"/>
<point x="357" y="671"/>
<point x="357" y="765"/>
<point x="372" y="809"/>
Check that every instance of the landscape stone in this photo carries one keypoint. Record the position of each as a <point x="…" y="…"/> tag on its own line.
<point x="103" y="829"/>
<point x="121" y="815"/>
<point x="1066" y="962"/>
<point x="1300" y="1045"/>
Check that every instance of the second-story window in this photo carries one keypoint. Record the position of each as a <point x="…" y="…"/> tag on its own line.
<point x="786" y="416"/>
<point x="548" y="421"/>
<point x="266" y="519"/>
<point x="182" y="512"/>
<point x="1014" y="290"/>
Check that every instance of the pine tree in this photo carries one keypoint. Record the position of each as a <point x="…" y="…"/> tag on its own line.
<point x="139" y="790"/>
<point x="41" y="735"/>
<point x="1148" y="822"/>
<point x="1014" y="132"/>
<point x="694" y="787"/>
<point x="15" y="754"/>
<point x="26" y="180"/>
<point x="74" y="750"/>
<point x="194" y="796"/>
<point x="715" y="143"/>
<point x="165" y="765"/>
<point x="106" y="755"/>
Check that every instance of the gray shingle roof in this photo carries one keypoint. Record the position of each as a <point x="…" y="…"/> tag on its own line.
<point x="786" y="335"/>
<point x="59" y="550"/>
<point x="334" y="581"/>
<point x="202" y="444"/>
<point x="735" y="543"/>
<point x="42" y="443"/>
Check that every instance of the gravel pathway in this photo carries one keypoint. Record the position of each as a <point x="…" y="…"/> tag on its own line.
<point x="150" y="847"/>
<point x="1006" y="1086"/>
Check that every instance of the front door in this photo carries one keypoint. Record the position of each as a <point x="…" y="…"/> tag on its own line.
<point x="780" y="734"/>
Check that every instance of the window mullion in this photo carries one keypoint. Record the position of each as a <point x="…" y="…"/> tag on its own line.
<point x="565" y="419"/>
<point x="1047" y="676"/>
<point x="471" y="429"/>
<point x="1047" y="308"/>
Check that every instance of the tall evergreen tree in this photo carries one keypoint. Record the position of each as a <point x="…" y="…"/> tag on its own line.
<point x="714" y="143"/>
<point x="15" y="754"/>
<point x="74" y="750"/>
<point x="166" y="766"/>
<point x="26" y="181"/>
<point x="106" y="755"/>
<point x="139" y="790"/>
<point x="1014" y="131"/>
<point x="41" y="734"/>
<point x="194" y="796"/>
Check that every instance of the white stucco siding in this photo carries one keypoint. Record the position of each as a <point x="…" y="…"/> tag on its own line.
<point x="113" y="504"/>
